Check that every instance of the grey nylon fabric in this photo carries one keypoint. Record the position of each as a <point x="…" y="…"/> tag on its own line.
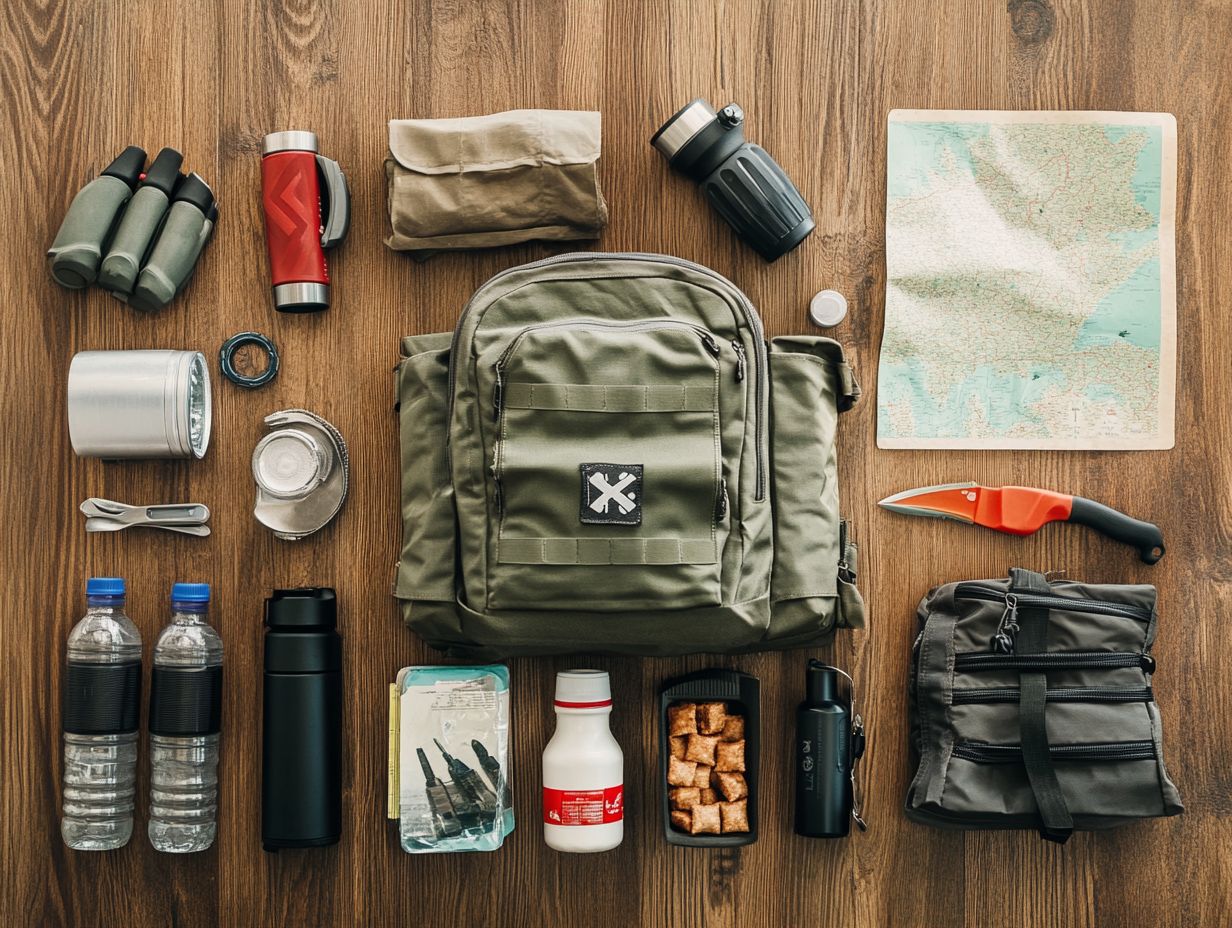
<point x="953" y="791"/>
<point x="656" y="367"/>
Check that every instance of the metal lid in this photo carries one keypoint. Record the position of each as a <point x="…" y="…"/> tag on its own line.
<point x="689" y="120"/>
<point x="290" y="464"/>
<point x="290" y="140"/>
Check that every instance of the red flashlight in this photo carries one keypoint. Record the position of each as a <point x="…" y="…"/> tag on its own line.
<point x="307" y="211"/>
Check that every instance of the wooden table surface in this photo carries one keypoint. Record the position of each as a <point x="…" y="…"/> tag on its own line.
<point x="83" y="79"/>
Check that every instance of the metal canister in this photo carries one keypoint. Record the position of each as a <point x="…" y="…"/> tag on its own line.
<point x="139" y="404"/>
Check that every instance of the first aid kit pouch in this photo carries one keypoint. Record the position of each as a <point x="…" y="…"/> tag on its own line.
<point x="486" y="181"/>
<point x="1032" y="706"/>
<point x="449" y="764"/>
<point x="607" y="455"/>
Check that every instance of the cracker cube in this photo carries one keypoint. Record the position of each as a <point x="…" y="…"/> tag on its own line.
<point x="707" y="820"/>
<point x="700" y="749"/>
<point x="730" y="756"/>
<point x="682" y="719"/>
<point x="710" y="717"/>
<point x="735" y="815"/>
<point x="680" y="772"/>
<point x="732" y="786"/>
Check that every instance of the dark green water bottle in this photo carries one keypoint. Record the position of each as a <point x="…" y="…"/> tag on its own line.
<point x="823" y="757"/>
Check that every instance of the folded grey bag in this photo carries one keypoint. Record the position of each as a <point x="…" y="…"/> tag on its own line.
<point x="1032" y="707"/>
<point x="485" y="181"/>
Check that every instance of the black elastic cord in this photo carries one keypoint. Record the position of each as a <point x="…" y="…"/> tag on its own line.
<point x="1056" y="823"/>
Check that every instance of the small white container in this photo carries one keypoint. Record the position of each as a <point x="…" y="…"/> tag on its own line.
<point x="583" y="768"/>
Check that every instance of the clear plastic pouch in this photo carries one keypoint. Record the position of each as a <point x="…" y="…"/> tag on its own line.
<point x="449" y="770"/>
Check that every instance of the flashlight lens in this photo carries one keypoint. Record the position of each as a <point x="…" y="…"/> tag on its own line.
<point x="198" y="406"/>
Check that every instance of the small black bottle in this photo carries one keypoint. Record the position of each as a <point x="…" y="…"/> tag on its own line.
<point x="823" y="757"/>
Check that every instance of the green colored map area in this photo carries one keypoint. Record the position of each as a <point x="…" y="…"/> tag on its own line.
<point x="1024" y="298"/>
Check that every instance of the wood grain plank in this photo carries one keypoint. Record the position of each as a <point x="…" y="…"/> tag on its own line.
<point x="82" y="79"/>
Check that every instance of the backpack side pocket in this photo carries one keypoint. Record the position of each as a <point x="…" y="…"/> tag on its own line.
<point x="811" y="588"/>
<point x="426" y="565"/>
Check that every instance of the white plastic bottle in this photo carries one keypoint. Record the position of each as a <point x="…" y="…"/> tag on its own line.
<point x="583" y="768"/>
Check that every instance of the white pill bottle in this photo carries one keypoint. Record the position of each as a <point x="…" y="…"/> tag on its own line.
<point x="583" y="768"/>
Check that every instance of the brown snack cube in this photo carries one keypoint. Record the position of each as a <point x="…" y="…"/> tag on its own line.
<point x="682" y="719"/>
<point x="680" y="772"/>
<point x="733" y="728"/>
<point x="735" y="815"/>
<point x="732" y="786"/>
<point x="710" y="717"/>
<point x="701" y="778"/>
<point x="707" y="820"/>
<point x="708" y="796"/>
<point x="701" y="749"/>
<point x="677" y="744"/>
<point x="730" y="756"/>
<point x="682" y="821"/>
<point x="684" y="797"/>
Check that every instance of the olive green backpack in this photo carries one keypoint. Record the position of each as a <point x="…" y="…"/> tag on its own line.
<point x="606" y="455"/>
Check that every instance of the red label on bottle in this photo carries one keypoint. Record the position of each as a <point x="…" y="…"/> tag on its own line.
<point x="583" y="806"/>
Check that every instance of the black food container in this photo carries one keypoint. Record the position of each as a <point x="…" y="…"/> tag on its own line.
<point x="743" y="691"/>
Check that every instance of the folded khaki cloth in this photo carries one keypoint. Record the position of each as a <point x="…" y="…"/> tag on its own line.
<point x="483" y="181"/>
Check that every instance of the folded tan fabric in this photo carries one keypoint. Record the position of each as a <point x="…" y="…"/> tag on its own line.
<point x="484" y="181"/>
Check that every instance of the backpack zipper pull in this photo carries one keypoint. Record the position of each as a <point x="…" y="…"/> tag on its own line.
<point x="739" y="349"/>
<point x="720" y="511"/>
<point x="498" y="395"/>
<point x="1007" y="627"/>
<point x="708" y="340"/>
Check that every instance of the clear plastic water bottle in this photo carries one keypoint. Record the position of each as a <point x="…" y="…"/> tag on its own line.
<point x="185" y="717"/>
<point x="101" y="704"/>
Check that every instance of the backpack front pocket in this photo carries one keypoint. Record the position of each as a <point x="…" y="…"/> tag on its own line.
<point x="607" y="467"/>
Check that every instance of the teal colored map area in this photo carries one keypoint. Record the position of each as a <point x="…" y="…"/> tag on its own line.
<point x="1030" y="298"/>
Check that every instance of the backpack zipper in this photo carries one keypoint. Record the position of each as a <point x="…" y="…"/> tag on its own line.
<point x="498" y="386"/>
<point x="982" y="753"/>
<point x="749" y="312"/>
<point x="1070" y="603"/>
<point x="1057" y="660"/>
<point x="997" y="694"/>
<point x="1007" y="626"/>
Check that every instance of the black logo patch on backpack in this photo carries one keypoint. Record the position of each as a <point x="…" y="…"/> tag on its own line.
<point x="612" y="494"/>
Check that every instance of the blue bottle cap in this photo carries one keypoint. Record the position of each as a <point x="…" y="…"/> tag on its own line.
<point x="105" y="586"/>
<point x="190" y="593"/>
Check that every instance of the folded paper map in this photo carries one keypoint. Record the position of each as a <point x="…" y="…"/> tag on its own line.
<point x="1031" y="281"/>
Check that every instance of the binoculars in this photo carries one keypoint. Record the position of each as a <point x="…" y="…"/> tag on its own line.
<point x="138" y="233"/>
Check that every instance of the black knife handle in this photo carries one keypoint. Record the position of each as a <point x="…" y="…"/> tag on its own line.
<point x="1144" y="536"/>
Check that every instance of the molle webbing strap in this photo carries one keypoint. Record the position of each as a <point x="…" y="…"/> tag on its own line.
<point x="1056" y="823"/>
<point x="660" y="551"/>
<point x="586" y="397"/>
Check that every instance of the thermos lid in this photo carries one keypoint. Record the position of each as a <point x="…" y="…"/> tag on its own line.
<point x="820" y="683"/>
<point x="290" y="140"/>
<point x="583" y="689"/>
<point x="681" y="128"/>
<point x="304" y="608"/>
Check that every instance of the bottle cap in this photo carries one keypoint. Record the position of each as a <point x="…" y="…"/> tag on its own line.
<point x="583" y="689"/>
<point x="190" y="593"/>
<point x="820" y="683"/>
<point x="105" y="586"/>
<point x="827" y="308"/>
<point x="192" y="189"/>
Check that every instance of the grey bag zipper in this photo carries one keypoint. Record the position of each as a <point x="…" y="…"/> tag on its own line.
<point x="761" y="369"/>
<point x="982" y="753"/>
<point x="966" y="696"/>
<point x="1069" y="603"/>
<point x="1058" y="660"/>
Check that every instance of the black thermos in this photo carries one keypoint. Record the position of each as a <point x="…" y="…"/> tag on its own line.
<point x="823" y="757"/>
<point x="301" y="782"/>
